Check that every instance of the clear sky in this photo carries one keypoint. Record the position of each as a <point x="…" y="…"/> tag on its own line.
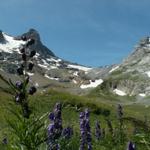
<point x="89" y="32"/>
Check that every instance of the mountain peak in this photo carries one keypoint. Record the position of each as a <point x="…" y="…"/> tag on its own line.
<point x="145" y="41"/>
<point x="38" y="45"/>
<point x="32" y="34"/>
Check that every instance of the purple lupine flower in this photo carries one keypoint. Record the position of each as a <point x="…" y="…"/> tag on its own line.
<point x="30" y="66"/>
<point x="85" y="131"/>
<point x="24" y="56"/>
<point x="22" y="50"/>
<point x="19" y="97"/>
<point x="130" y="146"/>
<point x="51" y="116"/>
<point x="119" y="111"/>
<point x="55" y="128"/>
<point x="20" y="71"/>
<point x="98" y="133"/>
<point x="51" y="129"/>
<point x="19" y="85"/>
<point x="5" y="141"/>
<point x="67" y="132"/>
<point x="32" y="90"/>
<point x="32" y="53"/>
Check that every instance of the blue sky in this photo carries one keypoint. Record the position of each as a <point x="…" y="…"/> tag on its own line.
<point x="89" y="32"/>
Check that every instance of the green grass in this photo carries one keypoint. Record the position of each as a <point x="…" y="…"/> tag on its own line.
<point x="101" y="108"/>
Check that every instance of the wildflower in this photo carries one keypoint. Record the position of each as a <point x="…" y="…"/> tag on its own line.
<point x="30" y="66"/>
<point x="98" y="133"/>
<point x="67" y="132"/>
<point x="85" y="130"/>
<point x="119" y="111"/>
<point x="32" y="90"/>
<point x="24" y="56"/>
<point x="5" y="141"/>
<point x="130" y="146"/>
<point x="20" y="71"/>
<point x="19" y="85"/>
<point x="32" y="53"/>
<point x="55" y="128"/>
<point x="51" y="116"/>
<point x="19" y="97"/>
<point x="22" y="50"/>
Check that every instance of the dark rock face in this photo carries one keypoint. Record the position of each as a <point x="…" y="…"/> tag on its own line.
<point x="38" y="46"/>
<point x="2" y="39"/>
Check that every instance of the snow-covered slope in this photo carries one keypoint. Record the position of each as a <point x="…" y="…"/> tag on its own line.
<point x="10" y="44"/>
<point x="92" y="84"/>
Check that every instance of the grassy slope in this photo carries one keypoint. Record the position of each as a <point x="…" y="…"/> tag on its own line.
<point x="72" y="104"/>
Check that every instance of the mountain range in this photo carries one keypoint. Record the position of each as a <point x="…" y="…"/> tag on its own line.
<point x="129" y="78"/>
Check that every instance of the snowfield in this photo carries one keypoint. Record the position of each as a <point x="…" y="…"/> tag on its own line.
<point x="113" y="69"/>
<point x="11" y="44"/>
<point x="51" y="77"/>
<point x="142" y="94"/>
<point x="47" y="67"/>
<point x="92" y="84"/>
<point x="54" y="60"/>
<point x="148" y="73"/>
<point x="30" y="74"/>
<point x="119" y="92"/>
<point x="79" y="67"/>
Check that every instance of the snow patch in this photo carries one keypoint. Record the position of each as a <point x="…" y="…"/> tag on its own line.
<point x="5" y="59"/>
<point x="142" y="94"/>
<point x="51" y="77"/>
<point x="30" y="74"/>
<point x="36" y="84"/>
<point x="58" y="65"/>
<point x="79" y="67"/>
<point x="148" y="73"/>
<point x="47" y="67"/>
<point x="113" y="69"/>
<point x="92" y="84"/>
<point x="11" y="44"/>
<point x="53" y="67"/>
<point x="75" y="73"/>
<point x="36" y="55"/>
<point x="119" y="92"/>
<point x="74" y="81"/>
<point x="54" y="60"/>
<point x="43" y="66"/>
<point x="45" y="63"/>
<point x="1" y="69"/>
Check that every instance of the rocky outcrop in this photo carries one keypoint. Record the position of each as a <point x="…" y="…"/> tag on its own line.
<point x="2" y="39"/>
<point x="38" y="46"/>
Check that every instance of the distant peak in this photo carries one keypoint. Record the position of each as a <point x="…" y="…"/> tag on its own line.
<point x="145" y="41"/>
<point x="32" y="33"/>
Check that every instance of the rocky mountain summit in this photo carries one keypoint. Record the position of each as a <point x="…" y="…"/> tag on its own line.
<point x="132" y="76"/>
